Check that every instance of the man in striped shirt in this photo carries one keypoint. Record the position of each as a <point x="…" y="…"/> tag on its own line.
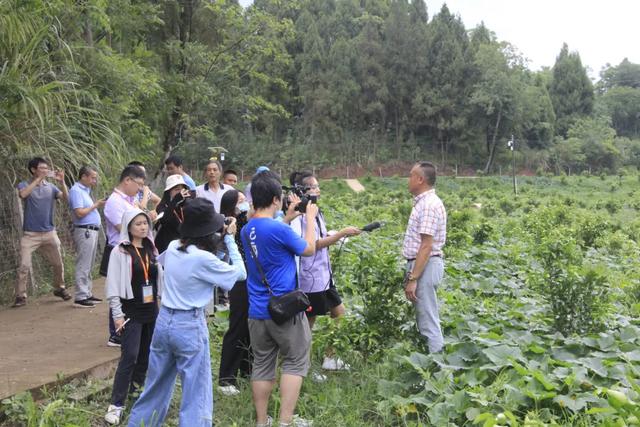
<point x="422" y="248"/>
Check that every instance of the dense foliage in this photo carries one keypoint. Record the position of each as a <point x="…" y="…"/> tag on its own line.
<point x="297" y="82"/>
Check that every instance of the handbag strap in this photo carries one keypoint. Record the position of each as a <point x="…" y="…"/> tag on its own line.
<point x="255" y="259"/>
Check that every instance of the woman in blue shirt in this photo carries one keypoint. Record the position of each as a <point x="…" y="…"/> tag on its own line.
<point x="180" y="343"/>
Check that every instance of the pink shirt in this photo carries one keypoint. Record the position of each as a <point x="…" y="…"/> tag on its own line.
<point x="117" y="204"/>
<point x="429" y="217"/>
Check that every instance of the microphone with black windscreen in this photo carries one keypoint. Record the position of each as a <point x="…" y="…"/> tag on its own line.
<point x="372" y="226"/>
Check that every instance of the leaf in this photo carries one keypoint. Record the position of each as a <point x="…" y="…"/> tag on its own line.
<point x="571" y="402"/>
<point x="418" y="360"/>
<point x="548" y="385"/>
<point x="595" y="365"/>
<point x="534" y="348"/>
<point x="500" y="355"/>
<point x="632" y="356"/>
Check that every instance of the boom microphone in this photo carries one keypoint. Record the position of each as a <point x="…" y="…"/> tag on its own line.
<point x="371" y="227"/>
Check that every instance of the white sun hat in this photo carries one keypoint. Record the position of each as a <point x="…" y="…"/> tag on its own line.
<point x="174" y="180"/>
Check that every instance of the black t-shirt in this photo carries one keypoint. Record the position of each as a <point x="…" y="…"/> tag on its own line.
<point x="136" y="309"/>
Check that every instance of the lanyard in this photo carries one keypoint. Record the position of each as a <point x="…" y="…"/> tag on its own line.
<point x="145" y="266"/>
<point x="179" y="214"/>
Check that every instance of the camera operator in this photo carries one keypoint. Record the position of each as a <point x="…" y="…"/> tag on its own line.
<point x="275" y="245"/>
<point x="169" y="210"/>
<point x="314" y="272"/>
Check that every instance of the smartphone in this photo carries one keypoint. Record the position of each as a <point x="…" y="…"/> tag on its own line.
<point x="51" y="174"/>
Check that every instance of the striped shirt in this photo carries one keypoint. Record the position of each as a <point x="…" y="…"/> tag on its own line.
<point x="429" y="217"/>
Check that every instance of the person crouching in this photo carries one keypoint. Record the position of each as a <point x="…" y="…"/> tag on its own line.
<point x="133" y="285"/>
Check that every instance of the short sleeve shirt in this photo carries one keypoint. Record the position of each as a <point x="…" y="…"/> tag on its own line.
<point x="39" y="207"/>
<point x="214" y="196"/>
<point x="117" y="204"/>
<point x="315" y="270"/>
<point x="429" y="217"/>
<point x="276" y="246"/>
<point x="80" y="198"/>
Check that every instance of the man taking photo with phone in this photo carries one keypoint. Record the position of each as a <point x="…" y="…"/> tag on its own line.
<point x="39" y="197"/>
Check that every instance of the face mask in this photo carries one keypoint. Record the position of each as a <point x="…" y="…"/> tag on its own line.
<point x="243" y="207"/>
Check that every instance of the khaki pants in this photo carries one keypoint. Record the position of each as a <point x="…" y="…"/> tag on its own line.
<point x="49" y="246"/>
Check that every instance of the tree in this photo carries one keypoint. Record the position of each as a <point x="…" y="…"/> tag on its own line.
<point x="441" y="98"/>
<point x="571" y="90"/>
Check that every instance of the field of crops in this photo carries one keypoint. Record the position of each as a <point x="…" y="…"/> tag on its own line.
<point x="539" y="311"/>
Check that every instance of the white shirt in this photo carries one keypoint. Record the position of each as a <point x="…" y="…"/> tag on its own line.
<point x="214" y="196"/>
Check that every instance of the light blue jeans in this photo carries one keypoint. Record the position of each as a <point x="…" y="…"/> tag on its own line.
<point x="180" y="346"/>
<point x="427" y="315"/>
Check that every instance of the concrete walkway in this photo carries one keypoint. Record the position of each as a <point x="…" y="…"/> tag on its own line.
<point x="355" y="185"/>
<point x="50" y="341"/>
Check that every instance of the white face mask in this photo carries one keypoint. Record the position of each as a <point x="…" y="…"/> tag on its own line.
<point x="243" y="207"/>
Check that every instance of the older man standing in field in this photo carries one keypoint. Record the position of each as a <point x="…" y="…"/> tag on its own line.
<point x="422" y="248"/>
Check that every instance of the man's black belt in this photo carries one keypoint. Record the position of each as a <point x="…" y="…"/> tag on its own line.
<point x="89" y="227"/>
<point x="432" y="256"/>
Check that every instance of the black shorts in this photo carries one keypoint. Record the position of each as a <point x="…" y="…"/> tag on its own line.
<point x="322" y="302"/>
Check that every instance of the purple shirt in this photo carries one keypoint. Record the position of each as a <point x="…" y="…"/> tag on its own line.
<point x="117" y="204"/>
<point x="314" y="272"/>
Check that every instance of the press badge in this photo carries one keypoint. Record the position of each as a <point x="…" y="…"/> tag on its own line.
<point x="147" y="293"/>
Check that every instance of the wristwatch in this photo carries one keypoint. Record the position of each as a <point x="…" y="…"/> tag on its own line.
<point x="411" y="278"/>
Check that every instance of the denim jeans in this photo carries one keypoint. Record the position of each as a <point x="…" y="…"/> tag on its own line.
<point x="180" y="346"/>
<point x="427" y="315"/>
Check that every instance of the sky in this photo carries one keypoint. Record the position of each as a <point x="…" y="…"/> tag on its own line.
<point x="600" y="31"/>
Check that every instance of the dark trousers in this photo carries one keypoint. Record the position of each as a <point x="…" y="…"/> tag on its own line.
<point x="236" y="356"/>
<point x="134" y="360"/>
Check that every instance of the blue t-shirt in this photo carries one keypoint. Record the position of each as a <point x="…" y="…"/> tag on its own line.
<point x="38" y="207"/>
<point x="276" y="245"/>
<point x="80" y="198"/>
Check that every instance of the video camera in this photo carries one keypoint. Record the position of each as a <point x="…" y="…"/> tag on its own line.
<point x="300" y="191"/>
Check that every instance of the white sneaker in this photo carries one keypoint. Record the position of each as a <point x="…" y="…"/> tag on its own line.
<point x="335" y="364"/>
<point x="113" y="414"/>
<point x="229" y="390"/>
<point x="317" y="377"/>
<point x="301" y="422"/>
<point x="269" y="422"/>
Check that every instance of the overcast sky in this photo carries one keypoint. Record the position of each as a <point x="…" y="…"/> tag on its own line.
<point x="601" y="31"/>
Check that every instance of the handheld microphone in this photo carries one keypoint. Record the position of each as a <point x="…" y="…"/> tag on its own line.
<point x="371" y="227"/>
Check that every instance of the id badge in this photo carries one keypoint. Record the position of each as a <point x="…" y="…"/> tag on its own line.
<point x="147" y="294"/>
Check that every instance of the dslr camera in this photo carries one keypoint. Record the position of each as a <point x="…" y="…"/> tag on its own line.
<point x="300" y="191"/>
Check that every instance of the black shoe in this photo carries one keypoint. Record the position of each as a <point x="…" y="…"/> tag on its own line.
<point x="84" y="303"/>
<point x="62" y="293"/>
<point x="114" y="341"/>
<point x="94" y="300"/>
<point x="20" y="301"/>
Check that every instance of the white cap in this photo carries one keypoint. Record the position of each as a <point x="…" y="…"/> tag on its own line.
<point x="174" y="180"/>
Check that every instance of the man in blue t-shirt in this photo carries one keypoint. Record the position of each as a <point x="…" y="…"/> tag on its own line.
<point x="276" y="246"/>
<point x="39" y="197"/>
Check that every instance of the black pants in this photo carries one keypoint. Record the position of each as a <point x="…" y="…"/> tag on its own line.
<point x="134" y="360"/>
<point x="236" y="356"/>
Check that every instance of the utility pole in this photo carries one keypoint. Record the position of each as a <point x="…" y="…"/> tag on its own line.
<point x="512" y="146"/>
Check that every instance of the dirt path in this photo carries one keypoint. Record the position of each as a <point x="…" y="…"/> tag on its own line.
<point x="49" y="338"/>
<point x="355" y="185"/>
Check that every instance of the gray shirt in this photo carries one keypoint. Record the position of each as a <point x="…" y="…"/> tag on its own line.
<point x="38" y="207"/>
